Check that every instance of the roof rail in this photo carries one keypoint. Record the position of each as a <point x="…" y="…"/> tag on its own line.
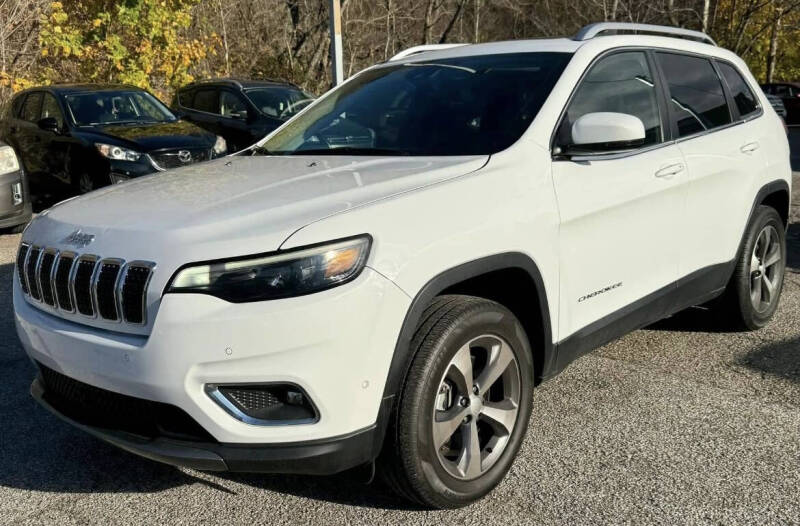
<point x="615" y="28"/>
<point x="422" y="49"/>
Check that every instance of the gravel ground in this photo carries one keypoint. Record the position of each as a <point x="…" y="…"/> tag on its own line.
<point x="674" y="424"/>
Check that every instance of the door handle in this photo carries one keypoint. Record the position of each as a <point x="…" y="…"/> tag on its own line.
<point x="750" y="147"/>
<point x="670" y="170"/>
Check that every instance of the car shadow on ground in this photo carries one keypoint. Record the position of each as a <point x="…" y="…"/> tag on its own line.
<point x="39" y="452"/>
<point x="780" y="359"/>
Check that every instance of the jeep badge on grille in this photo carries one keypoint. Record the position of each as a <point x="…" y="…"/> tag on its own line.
<point x="78" y="239"/>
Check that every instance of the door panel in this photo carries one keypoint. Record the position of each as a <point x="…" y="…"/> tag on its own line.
<point x="619" y="231"/>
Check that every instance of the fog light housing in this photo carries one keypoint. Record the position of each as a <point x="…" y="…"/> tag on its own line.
<point x="273" y="404"/>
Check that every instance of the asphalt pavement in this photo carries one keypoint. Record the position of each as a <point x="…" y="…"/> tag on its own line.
<point x="679" y="423"/>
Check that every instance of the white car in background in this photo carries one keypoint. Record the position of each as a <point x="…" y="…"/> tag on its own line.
<point x="387" y="276"/>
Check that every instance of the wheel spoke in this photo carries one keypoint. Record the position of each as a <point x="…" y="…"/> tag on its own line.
<point x="755" y="291"/>
<point x="446" y="424"/>
<point x="773" y="256"/>
<point x="765" y="244"/>
<point x="500" y="415"/>
<point x="499" y="360"/>
<point x="461" y="371"/>
<point x="769" y="286"/>
<point x="469" y="461"/>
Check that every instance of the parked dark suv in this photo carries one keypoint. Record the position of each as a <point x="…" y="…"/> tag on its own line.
<point x="789" y="92"/>
<point x="89" y="135"/>
<point x="242" y="111"/>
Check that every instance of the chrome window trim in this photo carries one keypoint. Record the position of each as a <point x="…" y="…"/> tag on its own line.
<point x="76" y="265"/>
<point x="124" y="276"/>
<point x="98" y="269"/>
<point x="74" y="257"/>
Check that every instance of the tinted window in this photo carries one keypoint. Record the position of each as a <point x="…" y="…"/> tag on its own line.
<point x="620" y="83"/>
<point x="30" y="109"/>
<point x="782" y="90"/>
<point x="16" y="105"/>
<point x="278" y="102"/>
<point x="474" y="105"/>
<point x="50" y="109"/>
<point x="206" y="100"/>
<point x="230" y="105"/>
<point x="185" y="98"/>
<point x="697" y="99"/>
<point x="113" y="107"/>
<point x="742" y="95"/>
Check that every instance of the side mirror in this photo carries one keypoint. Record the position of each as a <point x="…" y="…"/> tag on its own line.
<point x="606" y="131"/>
<point x="49" y="124"/>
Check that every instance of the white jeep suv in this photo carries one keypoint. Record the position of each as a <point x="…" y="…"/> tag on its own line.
<point x="388" y="275"/>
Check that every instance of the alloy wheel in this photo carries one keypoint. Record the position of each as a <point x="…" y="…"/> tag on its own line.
<point x="476" y="407"/>
<point x="85" y="183"/>
<point x="765" y="268"/>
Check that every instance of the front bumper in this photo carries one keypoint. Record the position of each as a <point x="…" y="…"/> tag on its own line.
<point x="320" y="457"/>
<point x="11" y="213"/>
<point x="336" y="345"/>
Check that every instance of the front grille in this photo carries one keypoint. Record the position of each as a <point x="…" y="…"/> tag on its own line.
<point x="30" y="272"/>
<point x="110" y="289"/>
<point x="22" y="254"/>
<point x="96" y="407"/>
<point x="45" y="269"/>
<point x="107" y="289"/>
<point x="83" y="285"/>
<point x="176" y="158"/>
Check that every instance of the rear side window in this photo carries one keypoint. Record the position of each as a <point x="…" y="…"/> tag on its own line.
<point x="620" y="83"/>
<point x="745" y="101"/>
<point x="16" y="105"/>
<point x="185" y="98"/>
<point x="30" y="109"/>
<point x="697" y="100"/>
<point x="206" y="100"/>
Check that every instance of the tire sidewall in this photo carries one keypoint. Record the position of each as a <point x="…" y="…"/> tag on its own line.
<point x="765" y="216"/>
<point x="417" y="410"/>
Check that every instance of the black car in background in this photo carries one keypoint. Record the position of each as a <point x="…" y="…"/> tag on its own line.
<point x="15" y="203"/>
<point x="789" y="92"/>
<point x="242" y="111"/>
<point x="89" y="136"/>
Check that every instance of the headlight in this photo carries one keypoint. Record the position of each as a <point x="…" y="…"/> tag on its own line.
<point x="117" y="152"/>
<point x="220" y="146"/>
<point x="281" y="275"/>
<point x="8" y="160"/>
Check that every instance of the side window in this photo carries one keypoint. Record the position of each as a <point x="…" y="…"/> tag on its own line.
<point x="230" y="105"/>
<point x="620" y="83"/>
<point x="206" y="100"/>
<point x="743" y="96"/>
<point x="50" y="109"/>
<point x="696" y="97"/>
<point x="781" y="90"/>
<point x="185" y="98"/>
<point x="16" y="106"/>
<point x="30" y="108"/>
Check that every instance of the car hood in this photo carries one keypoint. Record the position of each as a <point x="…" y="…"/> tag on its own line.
<point x="157" y="136"/>
<point x="235" y="205"/>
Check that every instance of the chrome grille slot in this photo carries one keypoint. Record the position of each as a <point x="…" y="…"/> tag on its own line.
<point x="85" y="285"/>
<point x="44" y="275"/>
<point x="30" y="272"/>
<point x="61" y="281"/>
<point x="105" y="288"/>
<point x="82" y="284"/>
<point x="22" y="255"/>
<point x="133" y="291"/>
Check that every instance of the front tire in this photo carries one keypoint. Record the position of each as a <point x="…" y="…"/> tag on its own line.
<point x="463" y="410"/>
<point x="754" y="290"/>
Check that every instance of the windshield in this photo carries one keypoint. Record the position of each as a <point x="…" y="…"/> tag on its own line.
<point x="117" y="107"/>
<point x="278" y="102"/>
<point x="473" y="105"/>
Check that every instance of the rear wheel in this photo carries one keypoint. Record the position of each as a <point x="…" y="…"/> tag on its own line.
<point x="464" y="409"/>
<point x="755" y="288"/>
